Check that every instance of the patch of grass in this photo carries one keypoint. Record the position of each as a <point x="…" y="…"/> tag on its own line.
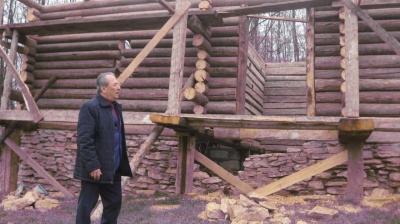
<point x="170" y="201"/>
<point x="159" y="194"/>
<point x="143" y="196"/>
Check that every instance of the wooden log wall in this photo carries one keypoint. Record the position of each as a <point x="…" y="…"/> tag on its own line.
<point x="77" y="59"/>
<point x="285" y="89"/>
<point x="256" y="75"/>
<point x="379" y="66"/>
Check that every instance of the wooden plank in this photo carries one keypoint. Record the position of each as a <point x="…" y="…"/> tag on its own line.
<point x="221" y="172"/>
<point x="291" y="134"/>
<point x="390" y="40"/>
<point x="168" y="119"/>
<point x="310" y="70"/>
<point x="29" y="101"/>
<point x="15" y="115"/>
<point x="153" y="43"/>
<point x="242" y="64"/>
<point x="352" y="94"/>
<point x="25" y="157"/>
<point x="303" y="174"/>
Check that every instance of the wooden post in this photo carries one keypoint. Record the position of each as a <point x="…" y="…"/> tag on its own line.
<point x="5" y="99"/>
<point x="185" y="166"/>
<point x="352" y="98"/>
<point x="355" y="170"/>
<point x="242" y="64"/>
<point x="1" y="11"/>
<point x="9" y="160"/>
<point x="353" y="132"/>
<point x="177" y="61"/>
<point x="310" y="63"/>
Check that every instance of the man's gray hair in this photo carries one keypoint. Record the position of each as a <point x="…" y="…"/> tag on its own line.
<point x="102" y="80"/>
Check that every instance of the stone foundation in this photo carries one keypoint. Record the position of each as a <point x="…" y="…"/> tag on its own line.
<point x="55" y="151"/>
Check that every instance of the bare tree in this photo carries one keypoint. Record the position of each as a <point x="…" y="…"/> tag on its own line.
<point x="278" y="40"/>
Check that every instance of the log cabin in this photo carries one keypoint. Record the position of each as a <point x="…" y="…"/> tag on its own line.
<point x="188" y="73"/>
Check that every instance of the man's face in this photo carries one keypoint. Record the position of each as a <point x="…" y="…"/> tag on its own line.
<point x="111" y="91"/>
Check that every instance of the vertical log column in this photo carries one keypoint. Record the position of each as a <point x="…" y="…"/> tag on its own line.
<point x="184" y="177"/>
<point x="353" y="132"/>
<point x="310" y="62"/>
<point x="9" y="160"/>
<point x="174" y="96"/>
<point x="242" y="64"/>
<point x="201" y="40"/>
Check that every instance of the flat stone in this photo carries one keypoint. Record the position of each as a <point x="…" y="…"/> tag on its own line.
<point x="319" y="212"/>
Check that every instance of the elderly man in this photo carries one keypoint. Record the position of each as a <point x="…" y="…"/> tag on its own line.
<point x="101" y="158"/>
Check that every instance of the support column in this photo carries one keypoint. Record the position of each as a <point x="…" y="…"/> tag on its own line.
<point x="185" y="166"/>
<point x="9" y="160"/>
<point x="177" y="61"/>
<point x="353" y="132"/>
<point x="242" y="64"/>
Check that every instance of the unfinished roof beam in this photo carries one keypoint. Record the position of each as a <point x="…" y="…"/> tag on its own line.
<point x="32" y="4"/>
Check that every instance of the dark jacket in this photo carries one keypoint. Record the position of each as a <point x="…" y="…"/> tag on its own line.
<point x="96" y="142"/>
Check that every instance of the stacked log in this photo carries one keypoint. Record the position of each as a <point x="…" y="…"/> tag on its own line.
<point x="285" y="89"/>
<point x="76" y="60"/>
<point x="379" y="66"/>
<point x="199" y="93"/>
<point x="205" y="4"/>
<point x="255" y="80"/>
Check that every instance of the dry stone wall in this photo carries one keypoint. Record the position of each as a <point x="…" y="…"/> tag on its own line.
<point x="55" y="151"/>
<point x="381" y="168"/>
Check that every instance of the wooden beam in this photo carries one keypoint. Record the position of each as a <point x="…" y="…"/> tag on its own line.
<point x="303" y="174"/>
<point x="276" y="6"/>
<point x="352" y="93"/>
<point x="278" y="18"/>
<point x="26" y="158"/>
<point x="382" y="33"/>
<point x="185" y="164"/>
<point x="292" y="134"/>
<point x="372" y="4"/>
<point x="177" y="59"/>
<point x="29" y="101"/>
<point x="174" y="120"/>
<point x="246" y="121"/>
<point x="7" y="84"/>
<point x="243" y="49"/>
<point x="15" y="115"/>
<point x="355" y="171"/>
<point x="1" y="11"/>
<point x="167" y="6"/>
<point x="310" y="70"/>
<point x="221" y="172"/>
<point x="153" y="43"/>
<point x="32" y="4"/>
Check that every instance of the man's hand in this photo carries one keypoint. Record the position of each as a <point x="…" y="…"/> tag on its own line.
<point x="95" y="174"/>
